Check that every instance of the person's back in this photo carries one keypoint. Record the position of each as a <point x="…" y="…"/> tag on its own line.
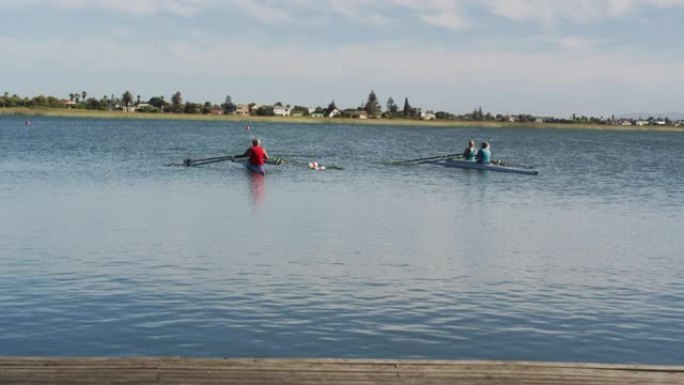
<point x="257" y="155"/>
<point x="485" y="154"/>
<point x="470" y="153"/>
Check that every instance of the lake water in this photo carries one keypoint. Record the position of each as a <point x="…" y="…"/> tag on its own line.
<point x="107" y="251"/>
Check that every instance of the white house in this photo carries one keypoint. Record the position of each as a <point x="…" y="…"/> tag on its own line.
<point x="281" y="110"/>
<point x="428" y="115"/>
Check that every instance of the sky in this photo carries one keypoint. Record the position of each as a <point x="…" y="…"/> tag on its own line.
<point x="543" y="57"/>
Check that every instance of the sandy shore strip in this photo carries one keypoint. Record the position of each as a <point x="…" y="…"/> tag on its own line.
<point x="94" y="114"/>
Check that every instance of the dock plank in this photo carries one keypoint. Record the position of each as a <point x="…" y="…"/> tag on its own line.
<point x="182" y="371"/>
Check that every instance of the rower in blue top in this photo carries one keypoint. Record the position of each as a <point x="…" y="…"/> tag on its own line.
<point x="470" y="153"/>
<point x="485" y="154"/>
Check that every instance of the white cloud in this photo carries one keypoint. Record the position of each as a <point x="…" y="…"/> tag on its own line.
<point x="539" y="82"/>
<point x="440" y="13"/>
<point x="574" y="44"/>
<point x="550" y="12"/>
<point x="449" y="14"/>
<point x="488" y="64"/>
<point x="137" y="7"/>
<point x="366" y="12"/>
<point x="264" y="12"/>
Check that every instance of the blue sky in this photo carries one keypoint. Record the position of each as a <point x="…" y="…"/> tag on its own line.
<point x="546" y="57"/>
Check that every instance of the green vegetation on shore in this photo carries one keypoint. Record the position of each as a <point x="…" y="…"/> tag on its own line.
<point x="76" y="113"/>
<point x="370" y="113"/>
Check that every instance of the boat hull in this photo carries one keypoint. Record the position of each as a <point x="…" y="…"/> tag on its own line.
<point x="485" y="166"/>
<point x="259" y="170"/>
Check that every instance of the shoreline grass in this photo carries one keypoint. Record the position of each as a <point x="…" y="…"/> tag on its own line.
<point x="78" y="113"/>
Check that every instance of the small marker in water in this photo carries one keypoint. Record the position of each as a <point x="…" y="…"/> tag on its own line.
<point x="28" y="122"/>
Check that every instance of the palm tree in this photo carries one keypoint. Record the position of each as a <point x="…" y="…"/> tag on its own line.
<point x="127" y="98"/>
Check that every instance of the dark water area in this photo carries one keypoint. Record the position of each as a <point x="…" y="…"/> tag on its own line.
<point x="107" y="251"/>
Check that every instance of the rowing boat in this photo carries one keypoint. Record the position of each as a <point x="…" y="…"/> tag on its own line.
<point x="259" y="170"/>
<point x="502" y="167"/>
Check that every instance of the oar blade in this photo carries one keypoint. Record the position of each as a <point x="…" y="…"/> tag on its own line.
<point x="309" y="165"/>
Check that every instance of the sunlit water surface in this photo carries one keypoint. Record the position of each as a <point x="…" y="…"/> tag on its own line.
<point x="107" y="251"/>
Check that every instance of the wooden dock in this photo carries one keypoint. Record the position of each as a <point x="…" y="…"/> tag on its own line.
<point x="125" y="371"/>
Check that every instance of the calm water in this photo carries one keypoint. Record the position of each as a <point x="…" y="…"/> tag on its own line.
<point x="106" y="251"/>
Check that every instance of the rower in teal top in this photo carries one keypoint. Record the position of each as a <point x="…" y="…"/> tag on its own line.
<point x="470" y="153"/>
<point x="485" y="154"/>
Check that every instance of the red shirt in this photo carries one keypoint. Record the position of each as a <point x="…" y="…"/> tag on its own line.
<point x="257" y="156"/>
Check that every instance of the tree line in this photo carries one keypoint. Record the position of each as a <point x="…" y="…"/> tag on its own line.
<point x="371" y="108"/>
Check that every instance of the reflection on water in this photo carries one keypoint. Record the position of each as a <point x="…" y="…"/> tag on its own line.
<point x="257" y="188"/>
<point x="105" y="251"/>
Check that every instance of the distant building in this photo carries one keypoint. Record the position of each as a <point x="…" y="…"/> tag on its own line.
<point x="355" y="113"/>
<point x="428" y="115"/>
<point x="281" y="110"/>
<point x="216" y="110"/>
<point x="242" y="110"/>
<point x="254" y="108"/>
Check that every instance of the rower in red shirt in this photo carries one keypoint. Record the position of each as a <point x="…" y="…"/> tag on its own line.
<point x="257" y="157"/>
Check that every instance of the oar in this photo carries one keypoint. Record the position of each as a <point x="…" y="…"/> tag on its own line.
<point x="198" y="162"/>
<point x="310" y="165"/>
<point x="430" y="158"/>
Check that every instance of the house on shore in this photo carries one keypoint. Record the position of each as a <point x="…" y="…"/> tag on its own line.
<point x="242" y="110"/>
<point x="428" y="115"/>
<point x="282" y="110"/>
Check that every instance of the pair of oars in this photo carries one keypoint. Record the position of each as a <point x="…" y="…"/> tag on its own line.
<point x="451" y="156"/>
<point x="275" y="161"/>
<point x="427" y="159"/>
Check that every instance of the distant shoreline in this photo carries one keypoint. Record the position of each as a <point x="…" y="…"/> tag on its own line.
<point x="78" y="113"/>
